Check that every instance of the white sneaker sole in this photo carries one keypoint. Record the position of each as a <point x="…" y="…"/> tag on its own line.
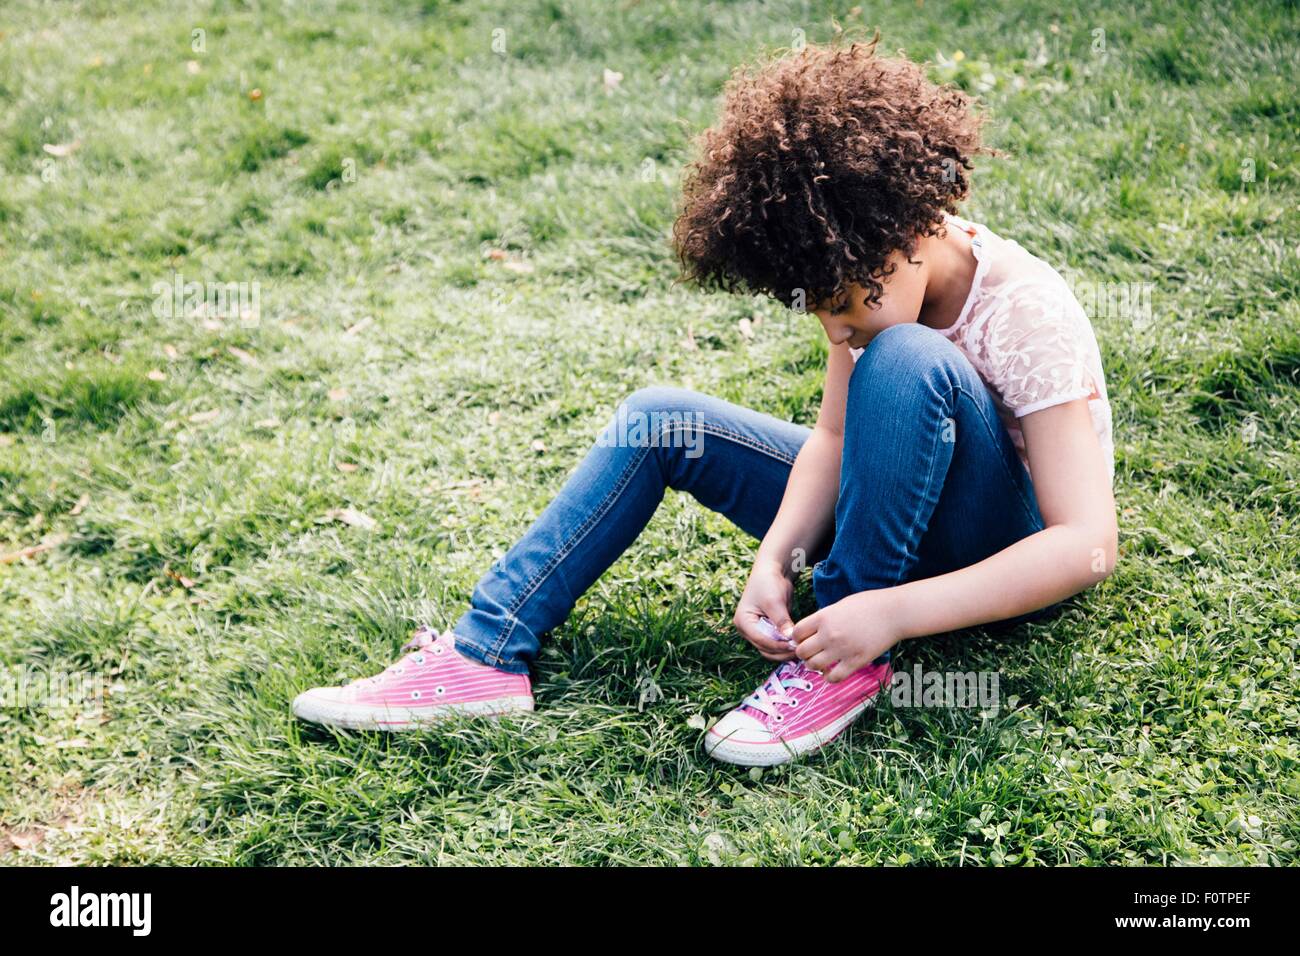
<point x="360" y="717"/>
<point x="745" y="754"/>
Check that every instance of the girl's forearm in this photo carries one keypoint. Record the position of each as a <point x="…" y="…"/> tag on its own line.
<point x="1033" y="573"/>
<point x="807" y="510"/>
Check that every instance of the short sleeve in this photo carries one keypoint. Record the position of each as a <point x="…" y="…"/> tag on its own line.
<point x="1037" y="346"/>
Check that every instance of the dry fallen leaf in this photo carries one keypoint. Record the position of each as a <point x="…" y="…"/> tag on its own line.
<point x="255" y="94"/>
<point x="514" y="265"/>
<point x="169" y="350"/>
<point x="185" y="582"/>
<point x="245" y="357"/>
<point x="156" y="375"/>
<point x="80" y="506"/>
<point x="494" y="418"/>
<point x="611" y="80"/>
<point x="24" y="838"/>
<point x="49" y="544"/>
<point x="62" y="149"/>
<point x="267" y="423"/>
<point x="746" y="329"/>
<point x="192" y="67"/>
<point x="352" y="517"/>
<point x="360" y="326"/>
<point x="202" y="418"/>
<point x="539" y="446"/>
<point x="337" y="394"/>
<point x="690" y="344"/>
<point x="472" y="484"/>
<point x="347" y="467"/>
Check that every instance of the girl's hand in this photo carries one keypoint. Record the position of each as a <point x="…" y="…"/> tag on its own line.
<point x="847" y="635"/>
<point x="767" y="594"/>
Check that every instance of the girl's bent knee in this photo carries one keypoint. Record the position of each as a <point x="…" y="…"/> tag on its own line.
<point x="911" y="353"/>
<point x="668" y="420"/>
<point x="663" y="399"/>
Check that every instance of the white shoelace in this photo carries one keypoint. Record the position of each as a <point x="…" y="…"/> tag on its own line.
<point x="422" y="639"/>
<point x="774" y="689"/>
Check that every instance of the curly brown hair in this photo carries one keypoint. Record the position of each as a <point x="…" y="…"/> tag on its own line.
<point x="822" y="164"/>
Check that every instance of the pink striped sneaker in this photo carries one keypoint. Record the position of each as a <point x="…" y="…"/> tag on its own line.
<point x="796" y="711"/>
<point x="431" y="682"/>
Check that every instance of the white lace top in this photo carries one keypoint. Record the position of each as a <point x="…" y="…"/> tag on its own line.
<point x="1028" y="337"/>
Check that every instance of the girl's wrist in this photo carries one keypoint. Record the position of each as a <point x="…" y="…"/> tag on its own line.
<point x="767" y="563"/>
<point x="899" y="610"/>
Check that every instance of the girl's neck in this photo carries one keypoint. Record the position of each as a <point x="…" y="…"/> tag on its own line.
<point x="951" y="273"/>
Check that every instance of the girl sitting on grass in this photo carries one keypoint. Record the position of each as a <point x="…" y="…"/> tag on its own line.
<point x="960" y="365"/>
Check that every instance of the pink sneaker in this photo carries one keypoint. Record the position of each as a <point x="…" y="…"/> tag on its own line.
<point x="431" y="682"/>
<point x="796" y="711"/>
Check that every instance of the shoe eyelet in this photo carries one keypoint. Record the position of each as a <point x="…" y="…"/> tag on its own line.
<point x="440" y="691"/>
<point x="415" y="695"/>
<point x="778" y="718"/>
<point x="792" y="703"/>
<point x="437" y="650"/>
<point x="419" y="659"/>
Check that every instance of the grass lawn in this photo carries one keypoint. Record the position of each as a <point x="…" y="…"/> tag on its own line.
<point x="456" y="222"/>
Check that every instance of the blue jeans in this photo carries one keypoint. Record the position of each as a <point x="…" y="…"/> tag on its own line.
<point x="930" y="482"/>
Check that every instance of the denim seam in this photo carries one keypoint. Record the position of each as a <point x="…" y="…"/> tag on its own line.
<point x="996" y="435"/>
<point x="719" y="432"/>
<point x="485" y="656"/>
<point x="579" y="536"/>
<point x="917" y="517"/>
<point x="600" y="511"/>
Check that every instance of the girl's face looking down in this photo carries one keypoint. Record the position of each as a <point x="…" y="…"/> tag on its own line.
<point x="929" y="287"/>
<point x="857" y="323"/>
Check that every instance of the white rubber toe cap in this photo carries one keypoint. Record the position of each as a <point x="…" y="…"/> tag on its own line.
<point x="740" y="738"/>
<point x="310" y="704"/>
<point x="740" y="727"/>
